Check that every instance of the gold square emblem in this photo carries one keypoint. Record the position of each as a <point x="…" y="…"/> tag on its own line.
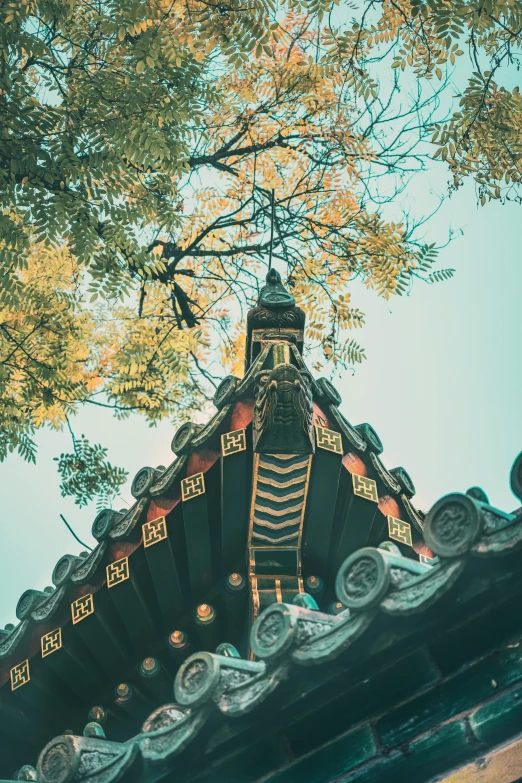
<point x="365" y="488"/>
<point x="51" y="642"/>
<point x="192" y="486"/>
<point x="328" y="439"/>
<point x="117" y="572"/>
<point x="232" y="442"/>
<point x="82" y="608"/>
<point x="20" y="675"/>
<point x="399" y="530"/>
<point x="154" y="531"/>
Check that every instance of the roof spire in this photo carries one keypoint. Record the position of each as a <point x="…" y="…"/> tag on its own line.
<point x="274" y="295"/>
<point x="275" y="316"/>
<point x="272" y="221"/>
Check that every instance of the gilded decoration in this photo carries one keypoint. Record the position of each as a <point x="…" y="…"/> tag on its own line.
<point x="82" y="608"/>
<point x="365" y="488"/>
<point x="154" y="531"/>
<point x="328" y="439"/>
<point x="20" y="675"/>
<point x="51" y="642"/>
<point x="192" y="487"/>
<point x="276" y="527"/>
<point x="399" y="530"/>
<point x="117" y="572"/>
<point x="233" y="442"/>
<point x="283" y="411"/>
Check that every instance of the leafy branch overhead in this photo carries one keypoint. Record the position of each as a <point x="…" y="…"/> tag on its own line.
<point x="87" y="474"/>
<point x="140" y="144"/>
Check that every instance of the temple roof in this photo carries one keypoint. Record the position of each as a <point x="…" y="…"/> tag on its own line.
<point x="224" y="704"/>
<point x="276" y="499"/>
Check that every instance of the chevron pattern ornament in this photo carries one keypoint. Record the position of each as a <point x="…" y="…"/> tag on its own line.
<point x="276" y="527"/>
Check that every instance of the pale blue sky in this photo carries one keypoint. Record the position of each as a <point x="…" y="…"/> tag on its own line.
<point x="441" y="386"/>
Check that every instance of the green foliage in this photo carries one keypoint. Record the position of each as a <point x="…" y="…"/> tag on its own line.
<point x="139" y="145"/>
<point x="86" y="474"/>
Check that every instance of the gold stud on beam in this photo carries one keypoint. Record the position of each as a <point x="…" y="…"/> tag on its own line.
<point x="336" y="608"/>
<point x="129" y="700"/>
<point x="205" y="614"/>
<point x="123" y="692"/>
<point x="149" y="666"/>
<point x="155" y="677"/>
<point x="178" y="640"/>
<point x="314" y="584"/>
<point x="97" y="714"/>
<point x="235" y="582"/>
<point x="179" y="646"/>
<point x="207" y="627"/>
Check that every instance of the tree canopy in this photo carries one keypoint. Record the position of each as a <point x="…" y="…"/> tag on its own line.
<point x="147" y="149"/>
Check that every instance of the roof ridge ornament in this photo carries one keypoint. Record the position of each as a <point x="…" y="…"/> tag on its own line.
<point x="274" y="295"/>
<point x="275" y="317"/>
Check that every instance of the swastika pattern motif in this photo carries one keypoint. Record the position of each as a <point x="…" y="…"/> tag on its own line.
<point x="154" y="531"/>
<point x="82" y="608"/>
<point x="20" y="675"/>
<point x="399" y="530"/>
<point x="232" y="442"/>
<point x="365" y="488"/>
<point x="328" y="440"/>
<point x="117" y="572"/>
<point x="192" y="486"/>
<point x="51" y="642"/>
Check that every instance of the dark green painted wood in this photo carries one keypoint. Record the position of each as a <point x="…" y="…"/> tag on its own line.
<point x="157" y="685"/>
<point x="163" y="569"/>
<point x="498" y="720"/>
<point x="128" y="600"/>
<point x="103" y="637"/>
<point x="136" y="705"/>
<point x="426" y="758"/>
<point x="454" y="695"/>
<point x="353" y="523"/>
<point x="79" y="671"/>
<point x="332" y="760"/>
<point x="352" y="704"/>
<point x="208" y="635"/>
<point x="197" y="538"/>
<point x="320" y="511"/>
<point x="467" y="642"/>
<point x="45" y="696"/>
<point x="13" y="721"/>
<point x="379" y="531"/>
<point x="236" y="488"/>
<point x="234" y="608"/>
<point x="246" y="766"/>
